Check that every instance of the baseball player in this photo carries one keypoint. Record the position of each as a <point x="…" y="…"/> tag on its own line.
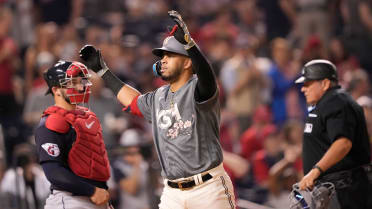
<point x="70" y="144"/>
<point x="185" y="116"/>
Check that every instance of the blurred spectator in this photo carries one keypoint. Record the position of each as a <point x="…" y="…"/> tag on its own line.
<point x="9" y="108"/>
<point x="313" y="49"/>
<point x="59" y="12"/>
<point x="366" y="103"/>
<point x="46" y="36"/>
<point x="236" y="166"/>
<point x="279" y="18"/>
<point x="357" y="16"/>
<point x="288" y="170"/>
<point x="219" y="52"/>
<point x="267" y="157"/>
<point x="358" y="83"/>
<point x="229" y="131"/>
<point x="253" y="138"/>
<point x="8" y="59"/>
<point x="313" y="19"/>
<point x="280" y="186"/>
<point x="221" y="27"/>
<point x="131" y="173"/>
<point x="250" y="21"/>
<point x="25" y="185"/>
<point x="94" y="34"/>
<point x="36" y="101"/>
<point x="243" y="82"/>
<point x="282" y="74"/>
<point x="23" y="24"/>
<point x="108" y="112"/>
<point x="343" y="60"/>
<point x="68" y="43"/>
<point x="2" y="172"/>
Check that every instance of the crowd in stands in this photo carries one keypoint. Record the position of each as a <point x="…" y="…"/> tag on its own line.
<point x="256" y="47"/>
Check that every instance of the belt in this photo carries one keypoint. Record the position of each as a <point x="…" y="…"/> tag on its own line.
<point x="342" y="179"/>
<point x="183" y="185"/>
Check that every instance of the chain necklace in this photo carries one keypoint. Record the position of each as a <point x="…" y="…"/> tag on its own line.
<point x="172" y="99"/>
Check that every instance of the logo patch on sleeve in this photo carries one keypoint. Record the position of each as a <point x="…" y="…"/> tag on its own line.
<point x="51" y="149"/>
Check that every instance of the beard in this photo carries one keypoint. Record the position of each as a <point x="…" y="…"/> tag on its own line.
<point x="64" y="95"/>
<point x="173" y="76"/>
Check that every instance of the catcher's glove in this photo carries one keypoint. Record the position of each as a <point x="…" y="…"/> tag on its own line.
<point x="323" y="196"/>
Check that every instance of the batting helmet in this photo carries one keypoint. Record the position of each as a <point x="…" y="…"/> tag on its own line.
<point x="317" y="70"/>
<point x="170" y="44"/>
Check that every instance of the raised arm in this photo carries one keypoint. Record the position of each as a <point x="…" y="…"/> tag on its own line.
<point x="207" y="85"/>
<point x="93" y="59"/>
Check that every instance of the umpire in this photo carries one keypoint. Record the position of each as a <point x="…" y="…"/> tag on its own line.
<point x="336" y="146"/>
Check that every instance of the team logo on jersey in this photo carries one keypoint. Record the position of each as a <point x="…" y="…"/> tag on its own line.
<point x="170" y="120"/>
<point x="51" y="149"/>
<point x="308" y="128"/>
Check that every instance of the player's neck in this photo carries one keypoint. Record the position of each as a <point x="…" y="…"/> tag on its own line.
<point x="65" y="105"/>
<point x="182" y="80"/>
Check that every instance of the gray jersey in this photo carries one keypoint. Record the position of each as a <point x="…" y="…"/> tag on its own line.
<point x="186" y="132"/>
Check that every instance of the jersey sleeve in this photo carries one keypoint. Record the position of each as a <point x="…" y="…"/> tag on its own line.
<point x="206" y="85"/>
<point x="341" y="122"/>
<point x="145" y="104"/>
<point x="49" y="144"/>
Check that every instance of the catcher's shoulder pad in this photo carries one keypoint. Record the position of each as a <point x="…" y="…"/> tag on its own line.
<point x="57" y="123"/>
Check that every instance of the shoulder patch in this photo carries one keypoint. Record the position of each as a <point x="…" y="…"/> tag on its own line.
<point x="57" y="123"/>
<point x="51" y="149"/>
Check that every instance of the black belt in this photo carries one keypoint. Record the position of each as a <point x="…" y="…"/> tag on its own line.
<point x="188" y="184"/>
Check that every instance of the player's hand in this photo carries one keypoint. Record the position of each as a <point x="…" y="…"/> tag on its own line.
<point x="100" y="196"/>
<point x="181" y="33"/>
<point x="92" y="58"/>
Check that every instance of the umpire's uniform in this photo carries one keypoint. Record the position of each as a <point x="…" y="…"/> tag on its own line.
<point x="334" y="116"/>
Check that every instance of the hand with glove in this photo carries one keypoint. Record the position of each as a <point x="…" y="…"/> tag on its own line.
<point x="180" y="32"/>
<point x="92" y="58"/>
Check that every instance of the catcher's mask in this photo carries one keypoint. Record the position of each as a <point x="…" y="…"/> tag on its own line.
<point x="322" y="196"/>
<point x="72" y="76"/>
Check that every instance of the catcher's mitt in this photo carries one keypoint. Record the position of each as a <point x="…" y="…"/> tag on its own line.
<point x="323" y="196"/>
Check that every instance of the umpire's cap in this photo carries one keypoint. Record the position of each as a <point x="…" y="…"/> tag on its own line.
<point x="170" y="44"/>
<point x="54" y="74"/>
<point x="317" y="70"/>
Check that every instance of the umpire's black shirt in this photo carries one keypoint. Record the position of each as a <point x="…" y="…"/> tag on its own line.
<point x="335" y="115"/>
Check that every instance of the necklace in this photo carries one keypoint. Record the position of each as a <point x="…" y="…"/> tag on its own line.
<point x="172" y="100"/>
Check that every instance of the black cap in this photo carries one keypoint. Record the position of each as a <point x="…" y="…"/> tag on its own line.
<point x="317" y="70"/>
<point x="55" y="74"/>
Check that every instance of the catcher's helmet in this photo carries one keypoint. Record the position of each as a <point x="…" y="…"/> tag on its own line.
<point x="170" y="44"/>
<point x="54" y="75"/>
<point x="317" y="70"/>
<point x="67" y="75"/>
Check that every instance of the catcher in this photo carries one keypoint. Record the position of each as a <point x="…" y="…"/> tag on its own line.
<point x="70" y="144"/>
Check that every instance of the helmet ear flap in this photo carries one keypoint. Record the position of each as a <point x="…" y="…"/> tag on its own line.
<point x="156" y="67"/>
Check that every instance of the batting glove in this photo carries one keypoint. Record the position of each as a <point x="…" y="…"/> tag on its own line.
<point x="181" y="33"/>
<point x="92" y="58"/>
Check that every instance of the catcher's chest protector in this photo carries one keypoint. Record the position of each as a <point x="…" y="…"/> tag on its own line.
<point x="87" y="157"/>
